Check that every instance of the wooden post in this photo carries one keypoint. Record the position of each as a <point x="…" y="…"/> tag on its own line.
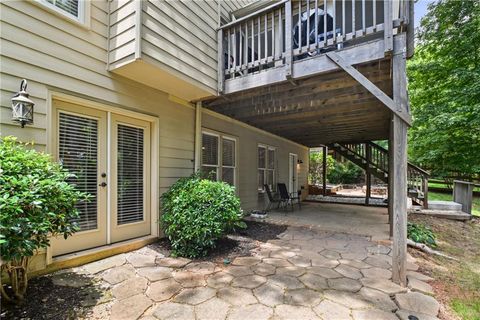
<point x="390" y="181"/>
<point x="324" y="170"/>
<point x="388" y="26"/>
<point x="399" y="162"/>
<point x="221" y="60"/>
<point x="288" y="39"/>
<point x="368" y="174"/>
<point x="198" y="136"/>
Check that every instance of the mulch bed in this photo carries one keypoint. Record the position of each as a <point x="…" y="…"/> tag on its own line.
<point x="233" y="245"/>
<point x="45" y="300"/>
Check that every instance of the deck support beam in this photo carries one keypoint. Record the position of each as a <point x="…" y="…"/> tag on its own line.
<point x="398" y="177"/>
<point x="371" y="87"/>
<point x="324" y="171"/>
<point x="368" y="174"/>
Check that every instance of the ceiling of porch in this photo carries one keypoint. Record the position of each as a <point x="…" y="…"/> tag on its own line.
<point x="326" y="108"/>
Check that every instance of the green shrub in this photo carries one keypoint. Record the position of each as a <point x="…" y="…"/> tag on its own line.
<point x="197" y="212"/>
<point x="345" y="173"/>
<point x="421" y="234"/>
<point x="36" y="203"/>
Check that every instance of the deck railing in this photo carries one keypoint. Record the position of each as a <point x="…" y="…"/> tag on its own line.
<point x="291" y="30"/>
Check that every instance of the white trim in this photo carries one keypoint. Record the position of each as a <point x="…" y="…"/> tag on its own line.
<point x="222" y="136"/>
<point x="266" y="169"/>
<point x="109" y="177"/>
<point x="243" y="124"/>
<point x="83" y="18"/>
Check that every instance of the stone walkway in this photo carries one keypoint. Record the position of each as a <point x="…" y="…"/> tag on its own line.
<point x="305" y="274"/>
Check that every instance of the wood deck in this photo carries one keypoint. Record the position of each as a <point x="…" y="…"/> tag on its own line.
<point x="320" y="109"/>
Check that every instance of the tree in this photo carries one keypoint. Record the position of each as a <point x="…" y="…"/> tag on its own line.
<point x="444" y="89"/>
<point x="36" y="202"/>
<point x="315" y="169"/>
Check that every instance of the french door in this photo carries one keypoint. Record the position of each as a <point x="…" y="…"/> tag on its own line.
<point x="109" y="154"/>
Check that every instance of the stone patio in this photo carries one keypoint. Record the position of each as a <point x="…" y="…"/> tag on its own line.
<point x="305" y="274"/>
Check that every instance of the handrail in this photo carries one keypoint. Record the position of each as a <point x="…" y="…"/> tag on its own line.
<point x="253" y="14"/>
<point x="278" y="35"/>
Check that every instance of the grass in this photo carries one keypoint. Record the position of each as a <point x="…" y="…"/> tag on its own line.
<point x="457" y="282"/>
<point x="449" y="197"/>
<point x="469" y="310"/>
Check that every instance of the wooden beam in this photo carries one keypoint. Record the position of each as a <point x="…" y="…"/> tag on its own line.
<point x="399" y="164"/>
<point x="388" y="26"/>
<point x="324" y="170"/>
<point x="368" y="174"/>
<point x="221" y="62"/>
<point x="372" y="88"/>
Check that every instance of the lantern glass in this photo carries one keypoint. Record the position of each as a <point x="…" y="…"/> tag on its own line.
<point x="22" y="106"/>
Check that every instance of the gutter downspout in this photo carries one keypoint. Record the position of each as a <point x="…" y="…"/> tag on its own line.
<point x="198" y="135"/>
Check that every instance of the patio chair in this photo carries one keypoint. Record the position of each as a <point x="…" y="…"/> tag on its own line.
<point x="271" y="198"/>
<point x="287" y="198"/>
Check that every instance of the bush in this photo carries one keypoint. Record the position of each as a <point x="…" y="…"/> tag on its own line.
<point x="197" y="212"/>
<point x="36" y="203"/>
<point x="345" y="173"/>
<point x="421" y="234"/>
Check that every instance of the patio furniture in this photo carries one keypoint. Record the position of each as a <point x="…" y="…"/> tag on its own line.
<point x="271" y="198"/>
<point x="288" y="198"/>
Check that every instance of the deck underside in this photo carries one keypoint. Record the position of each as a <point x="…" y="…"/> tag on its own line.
<point x="325" y="108"/>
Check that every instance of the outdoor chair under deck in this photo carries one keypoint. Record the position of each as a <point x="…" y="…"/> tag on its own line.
<point x="287" y="198"/>
<point x="272" y="199"/>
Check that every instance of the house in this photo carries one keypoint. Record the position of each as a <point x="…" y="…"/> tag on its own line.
<point x="132" y="95"/>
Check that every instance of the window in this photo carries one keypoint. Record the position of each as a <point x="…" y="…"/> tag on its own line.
<point x="219" y="157"/>
<point x="74" y="9"/>
<point x="266" y="167"/>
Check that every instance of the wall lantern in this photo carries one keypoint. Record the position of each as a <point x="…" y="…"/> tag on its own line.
<point x="22" y="106"/>
<point x="299" y="161"/>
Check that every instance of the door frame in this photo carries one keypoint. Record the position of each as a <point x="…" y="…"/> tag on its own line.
<point x="154" y="151"/>
<point x="292" y="168"/>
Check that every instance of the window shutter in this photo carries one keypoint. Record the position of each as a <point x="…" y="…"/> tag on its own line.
<point x="78" y="153"/>
<point x="209" y="150"/>
<point x="130" y="174"/>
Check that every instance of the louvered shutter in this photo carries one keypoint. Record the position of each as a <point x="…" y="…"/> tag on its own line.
<point x="130" y="166"/>
<point x="78" y="138"/>
<point x="69" y="6"/>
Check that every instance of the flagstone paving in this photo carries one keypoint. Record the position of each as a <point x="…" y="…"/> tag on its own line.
<point x="305" y="274"/>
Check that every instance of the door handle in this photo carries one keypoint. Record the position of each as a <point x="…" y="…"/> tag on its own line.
<point x="103" y="184"/>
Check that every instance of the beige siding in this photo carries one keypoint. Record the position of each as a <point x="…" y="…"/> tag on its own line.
<point x="248" y="140"/>
<point x="178" y="38"/>
<point x="123" y="21"/>
<point x="55" y="54"/>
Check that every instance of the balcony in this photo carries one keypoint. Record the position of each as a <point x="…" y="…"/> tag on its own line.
<point x="288" y="40"/>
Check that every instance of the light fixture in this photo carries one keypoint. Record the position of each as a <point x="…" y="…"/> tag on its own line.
<point x="299" y="161"/>
<point x="22" y="106"/>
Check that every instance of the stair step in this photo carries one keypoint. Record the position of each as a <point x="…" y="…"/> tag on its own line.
<point x="444" y="205"/>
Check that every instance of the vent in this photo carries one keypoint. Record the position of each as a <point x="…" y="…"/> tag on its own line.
<point x="130" y="174"/>
<point x="78" y="153"/>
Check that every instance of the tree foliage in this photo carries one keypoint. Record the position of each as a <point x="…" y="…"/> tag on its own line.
<point x="36" y="202"/>
<point x="315" y="174"/>
<point x="444" y="89"/>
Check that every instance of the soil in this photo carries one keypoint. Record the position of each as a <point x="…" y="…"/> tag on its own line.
<point x="455" y="280"/>
<point x="46" y="300"/>
<point x="233" y="245"/>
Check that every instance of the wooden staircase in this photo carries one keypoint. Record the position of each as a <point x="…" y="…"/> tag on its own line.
<point x="374" y="159"/>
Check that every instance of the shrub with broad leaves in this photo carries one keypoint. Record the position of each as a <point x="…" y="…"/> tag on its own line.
<point x="196" y="212"/>
<point x="36" y="202"/>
